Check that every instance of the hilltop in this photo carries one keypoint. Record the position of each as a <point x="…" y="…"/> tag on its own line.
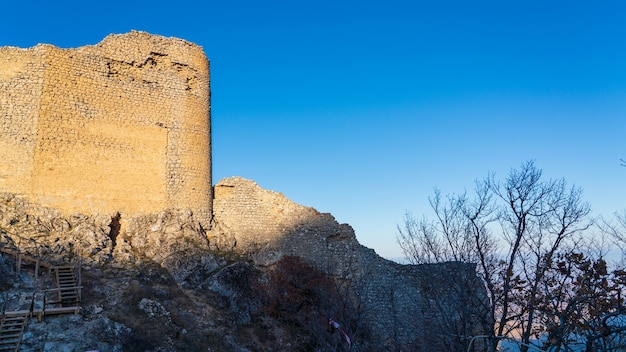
<point x="163" y="283"/>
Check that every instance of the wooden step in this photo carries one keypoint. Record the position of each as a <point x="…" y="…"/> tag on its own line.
<point x="66" y="283"/>
<point x="16" y="314"/>
<point x="9" y="345"/>
<point x="62" y="310"/>
<point x="68" y="289"/>
<point x="11" y="329"/>
<point x="10" y="335"/>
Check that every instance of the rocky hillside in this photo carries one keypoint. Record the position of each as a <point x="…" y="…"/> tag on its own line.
<point x="267" y="276"/>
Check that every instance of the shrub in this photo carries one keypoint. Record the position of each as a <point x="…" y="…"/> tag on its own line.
<point x="304" y="298"/>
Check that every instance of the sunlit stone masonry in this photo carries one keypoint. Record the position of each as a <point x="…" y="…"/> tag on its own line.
<point x="122" y="126"/>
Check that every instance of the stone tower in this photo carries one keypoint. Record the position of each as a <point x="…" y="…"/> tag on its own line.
<point x="118" y="127"/>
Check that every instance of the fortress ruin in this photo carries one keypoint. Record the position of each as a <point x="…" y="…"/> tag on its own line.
<point x="118" y="127"/>
<point x="121" y="130"/>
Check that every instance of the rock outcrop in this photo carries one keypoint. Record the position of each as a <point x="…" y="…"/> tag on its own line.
<point x="400" y="307"/>
<point x="171" y="239"/>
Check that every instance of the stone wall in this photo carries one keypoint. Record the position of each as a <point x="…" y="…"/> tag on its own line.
<point x="108" y="150"/>
<point x="119" y="127"/>
<point x="405" y="307"/>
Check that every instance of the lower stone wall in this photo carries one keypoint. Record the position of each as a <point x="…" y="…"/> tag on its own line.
<point x="405" y="307"/>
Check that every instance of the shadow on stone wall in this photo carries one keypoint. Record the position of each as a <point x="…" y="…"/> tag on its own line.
<point x="398" y="307"/>
<point x="404" y="307"/>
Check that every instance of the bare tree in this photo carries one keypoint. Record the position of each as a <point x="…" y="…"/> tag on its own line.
<point x="460" y="233"/>
<point x="512" y="230"/>
<point x="538" y="219"/>
<point x="616" y="231"/>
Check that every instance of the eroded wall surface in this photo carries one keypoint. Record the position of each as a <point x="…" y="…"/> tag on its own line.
<point x="121" y="126"/>
<point x="399" y="310"/>
<point x="21" y="83"/>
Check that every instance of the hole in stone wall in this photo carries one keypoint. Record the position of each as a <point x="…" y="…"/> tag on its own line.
<point x="115" y="226"/>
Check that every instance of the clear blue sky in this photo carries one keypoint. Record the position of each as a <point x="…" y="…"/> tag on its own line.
<point x="361" y="108"/>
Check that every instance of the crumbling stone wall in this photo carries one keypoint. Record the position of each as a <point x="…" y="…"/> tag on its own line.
<point x="119" y="127"/>
<point x="394" y="300"/>
<point x="249" y="216"/>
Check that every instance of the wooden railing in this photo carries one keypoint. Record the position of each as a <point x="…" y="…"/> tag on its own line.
<point x="68" y="290"/>
<point x="68" y="278"/>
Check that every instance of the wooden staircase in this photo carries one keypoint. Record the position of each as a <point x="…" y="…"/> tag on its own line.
<point x="67" y="286"/>
<point x="11" y="328"/>
<point x="67" y="294"/>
